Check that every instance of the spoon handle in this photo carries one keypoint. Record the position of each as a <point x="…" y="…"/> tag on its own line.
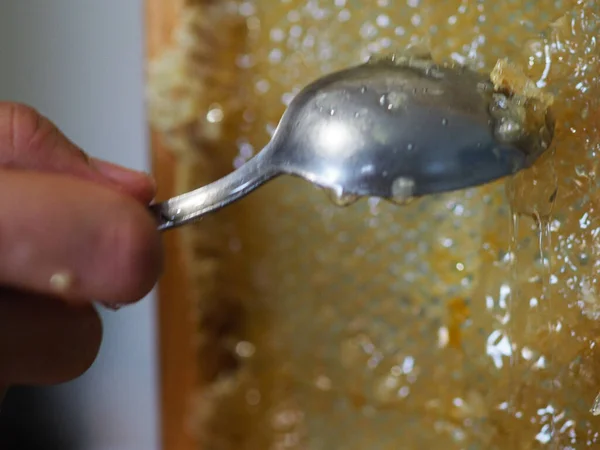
<point x="192" y="205"/>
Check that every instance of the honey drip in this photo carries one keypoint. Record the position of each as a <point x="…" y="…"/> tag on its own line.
<point x="531" y="195"/>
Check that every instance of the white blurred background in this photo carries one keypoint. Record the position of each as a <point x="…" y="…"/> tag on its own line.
<point x="80" y="62"/>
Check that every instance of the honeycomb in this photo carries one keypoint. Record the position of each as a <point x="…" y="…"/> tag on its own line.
<point x="467" y="320"/>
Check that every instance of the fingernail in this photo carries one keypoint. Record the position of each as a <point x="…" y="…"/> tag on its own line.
<point x="120" y="174"/>
<point x="112" y="306"/>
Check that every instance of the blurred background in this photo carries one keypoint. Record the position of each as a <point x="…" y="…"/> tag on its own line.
<point x="80" y="62"/>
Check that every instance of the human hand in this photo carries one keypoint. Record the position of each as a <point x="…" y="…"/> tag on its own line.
<point x="72" y="230"/>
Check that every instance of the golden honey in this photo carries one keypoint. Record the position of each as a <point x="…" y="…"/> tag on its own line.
<point x="467" y="320"/>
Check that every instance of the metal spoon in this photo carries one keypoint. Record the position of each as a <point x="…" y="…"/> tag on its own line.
<point x="394" y="128"/>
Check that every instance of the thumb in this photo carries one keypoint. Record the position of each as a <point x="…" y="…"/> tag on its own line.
<point x="29" y="141"/>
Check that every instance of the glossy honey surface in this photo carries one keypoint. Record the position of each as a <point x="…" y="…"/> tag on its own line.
<point x="462" y="321"/>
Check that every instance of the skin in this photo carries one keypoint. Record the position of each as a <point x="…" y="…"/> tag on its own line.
<point x="62" y="212"/>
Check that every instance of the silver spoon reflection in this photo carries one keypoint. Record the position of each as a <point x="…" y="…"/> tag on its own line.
<point x="394" y="128"/>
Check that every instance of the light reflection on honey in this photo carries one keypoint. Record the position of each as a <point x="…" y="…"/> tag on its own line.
<point x="463" y="321"/>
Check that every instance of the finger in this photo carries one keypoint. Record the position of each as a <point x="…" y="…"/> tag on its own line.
<point x="44" y="341"/>
<point x="66" y="237"/>
<point x="139" y="185"/>
<point x="30" y="141"/>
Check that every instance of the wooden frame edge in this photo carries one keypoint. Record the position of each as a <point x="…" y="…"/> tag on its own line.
<point x="177" y="357"/>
